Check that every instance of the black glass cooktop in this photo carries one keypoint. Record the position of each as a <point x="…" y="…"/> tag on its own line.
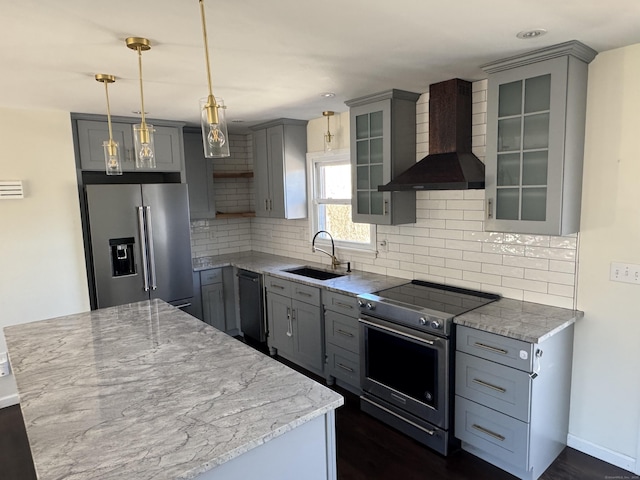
<point x="442" y="298"/>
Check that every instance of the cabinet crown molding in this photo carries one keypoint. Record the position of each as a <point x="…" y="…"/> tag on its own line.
<point x="572" y="48"/>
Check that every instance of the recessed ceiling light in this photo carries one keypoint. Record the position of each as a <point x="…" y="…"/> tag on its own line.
<point x="327" y="94"/>
<point x="527" y="34"/>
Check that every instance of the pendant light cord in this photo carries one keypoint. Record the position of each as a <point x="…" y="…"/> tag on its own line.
<point x="106" y="91"/>
<point x="143" y="123"/>
<point x="206" y="46"/>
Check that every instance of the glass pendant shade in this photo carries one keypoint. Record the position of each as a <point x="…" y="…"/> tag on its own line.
<point x="113" y="166"/>
<point x="329" y="139"/>
<point x="215" y="138"/>
<point x="144" y="146"/>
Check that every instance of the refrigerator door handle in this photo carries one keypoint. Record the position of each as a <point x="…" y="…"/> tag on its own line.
<point x="152" y="257"/>
<point x="143" y="248"/>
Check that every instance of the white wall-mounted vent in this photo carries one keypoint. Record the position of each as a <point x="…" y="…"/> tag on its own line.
<point x="11" y="190"/>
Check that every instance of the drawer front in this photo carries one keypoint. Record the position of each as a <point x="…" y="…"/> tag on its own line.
<point x="501" y="388"/>
<point x="278" y="285"/>
<point x="305" y="293"/>
<point x="495" y="433"/>
<point x="506" y="351"/>
<point x="208" y="277"/>
<point x="344" y="365"/>
<point x="342" y="331"/>
<point x="340" y="303"/>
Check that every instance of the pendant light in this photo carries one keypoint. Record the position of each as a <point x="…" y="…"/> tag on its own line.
<point x="328" y="138"/>
<point x="214" y="125"/>
<point x="142" y="133"/>
<point x="112" y="163"/>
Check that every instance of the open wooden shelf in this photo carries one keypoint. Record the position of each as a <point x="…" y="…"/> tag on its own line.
<point x="232" y="174"/>
<point x="235" y="215"/>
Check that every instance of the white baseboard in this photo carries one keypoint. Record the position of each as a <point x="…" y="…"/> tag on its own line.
<point x="9" y="400"/>
<point x="614" y="458"/>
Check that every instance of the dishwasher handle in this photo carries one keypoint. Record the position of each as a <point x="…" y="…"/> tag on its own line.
<point x="246" y="277"/>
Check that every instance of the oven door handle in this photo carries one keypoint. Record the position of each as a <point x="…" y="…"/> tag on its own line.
<point x="396" y="332"/>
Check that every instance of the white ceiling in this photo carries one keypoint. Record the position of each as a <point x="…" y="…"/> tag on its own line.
<point x="274" y="58"/>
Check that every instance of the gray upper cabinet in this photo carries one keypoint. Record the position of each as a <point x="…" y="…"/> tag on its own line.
<point x="279" y="149"/>
<point x="535" y="140"/>
<point x="383" y="145"/>
<point x="199" y="175"/>
<point x="92" y="133"/>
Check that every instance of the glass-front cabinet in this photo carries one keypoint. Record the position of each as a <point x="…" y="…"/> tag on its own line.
<point x="383" y="144"/>
<point x="535" y="136"/>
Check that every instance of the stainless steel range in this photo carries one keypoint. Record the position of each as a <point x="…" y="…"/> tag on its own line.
<point x="407" y="349"/>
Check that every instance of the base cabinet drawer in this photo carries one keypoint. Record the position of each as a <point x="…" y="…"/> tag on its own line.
<point x="342" y="331"/>
<point x="506" y="351"/>
<point x="501" y="388"/>
<point x="501" y="436"/>
<point x="343" y="364"/>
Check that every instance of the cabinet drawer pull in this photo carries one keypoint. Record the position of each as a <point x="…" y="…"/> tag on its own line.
<point x="275" y="285"/>
<point x="488" y="385"/>
<point x="346" y="334"/>
<point x="497" y="436"/>
<point x="344" y="367"/>
<point x="491" y="349"/>
<point x="344" y="305"/>
<point x="306" y="294"/>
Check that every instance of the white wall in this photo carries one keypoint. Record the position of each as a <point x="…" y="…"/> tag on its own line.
<point x="605" y="402"/>
<point x="43" y="271"/>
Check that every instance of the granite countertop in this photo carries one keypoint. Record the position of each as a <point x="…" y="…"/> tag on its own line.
<point x="146" y="391"/>
<point x="352" y="283"/>
<point x="530" y="322"/>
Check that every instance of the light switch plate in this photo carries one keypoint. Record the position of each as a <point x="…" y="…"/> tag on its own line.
<point x="625" y="273"/>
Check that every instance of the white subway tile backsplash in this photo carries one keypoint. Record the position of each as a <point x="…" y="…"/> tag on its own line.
<point x="447" y="244"/>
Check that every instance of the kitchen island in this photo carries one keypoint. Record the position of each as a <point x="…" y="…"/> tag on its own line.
<point x="145" y="391"/>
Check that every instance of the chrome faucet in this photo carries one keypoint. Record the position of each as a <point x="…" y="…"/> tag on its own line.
<point x="334" y="260"/>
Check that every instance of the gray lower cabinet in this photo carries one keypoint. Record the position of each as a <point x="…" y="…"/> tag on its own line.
<point x="199" y="175"/>
<point x="512" y="399"/>
<point x="92" y="133"/>
<point x="218" y="299"/>
<point x="279" y="149"/>
<point x="342" y="340"/>
<point x="295" y="323"/>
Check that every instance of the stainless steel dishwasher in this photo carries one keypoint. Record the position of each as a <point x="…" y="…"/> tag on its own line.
<point x="251" y="305"/>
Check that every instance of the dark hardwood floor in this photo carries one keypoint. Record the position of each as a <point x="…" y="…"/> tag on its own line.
<point x="367" y="450"/>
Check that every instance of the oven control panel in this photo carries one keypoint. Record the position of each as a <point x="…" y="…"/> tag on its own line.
<point x="412" y="316"/>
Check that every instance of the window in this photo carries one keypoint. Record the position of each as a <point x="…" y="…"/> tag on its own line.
<point x="331" y="202"/>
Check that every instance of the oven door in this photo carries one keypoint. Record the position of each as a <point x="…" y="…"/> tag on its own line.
<point x="406" y="368"/>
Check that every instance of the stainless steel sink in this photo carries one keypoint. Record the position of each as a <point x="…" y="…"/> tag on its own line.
<point x="311" y="272"/>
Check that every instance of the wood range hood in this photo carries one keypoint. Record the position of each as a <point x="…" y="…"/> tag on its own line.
<point x="450" y="164"/>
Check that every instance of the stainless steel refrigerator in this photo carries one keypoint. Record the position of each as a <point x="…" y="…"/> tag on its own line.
<point x="140" y="243"/>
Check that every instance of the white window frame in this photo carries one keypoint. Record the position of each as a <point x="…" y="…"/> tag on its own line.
<point x="335" y="156"/>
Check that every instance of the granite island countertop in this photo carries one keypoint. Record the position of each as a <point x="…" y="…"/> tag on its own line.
<point x="531" y="322"/>
<point x="146" y="391"/>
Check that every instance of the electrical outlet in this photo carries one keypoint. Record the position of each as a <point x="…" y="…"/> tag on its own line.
<point x="625" y="273"/>
<point x="4" y="364"/>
